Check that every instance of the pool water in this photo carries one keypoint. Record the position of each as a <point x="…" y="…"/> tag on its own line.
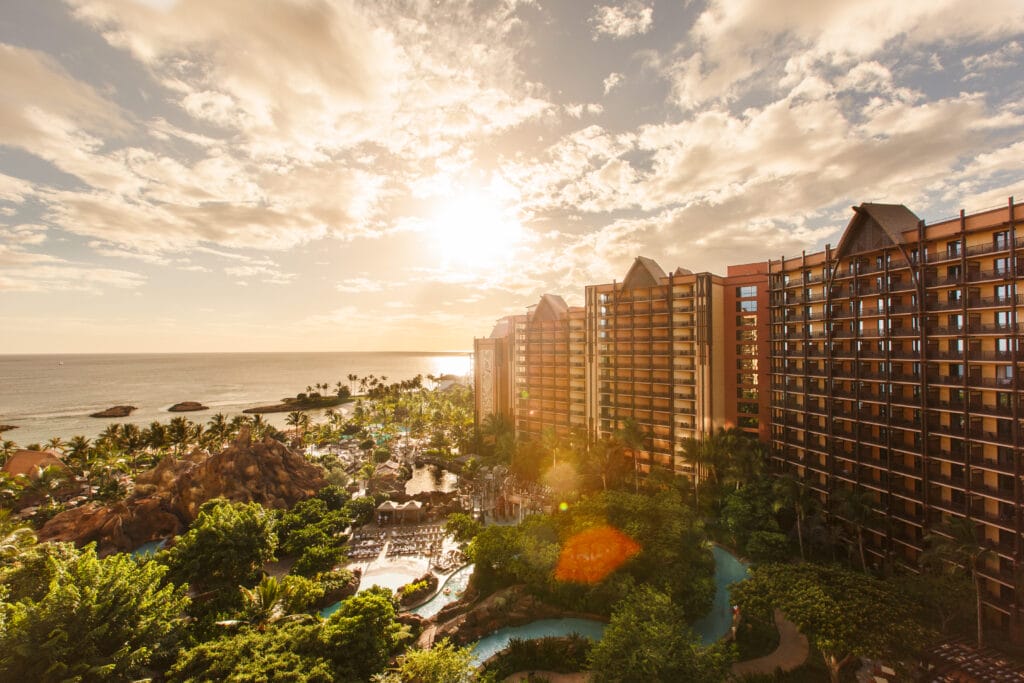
<point x="149" y="549"/>
<point x="717" y="622"/>
<point x="711" y="628"/>
<point x="455" y="585"/>
<point x="494" y="643"/>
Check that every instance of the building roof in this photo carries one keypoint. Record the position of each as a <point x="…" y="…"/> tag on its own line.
<point x="875" y="226"/>
<point x="550" y="307"/>
<point x="682" y="271"/>
<point x="28" y="462"/>
<point x="645" y="272"/>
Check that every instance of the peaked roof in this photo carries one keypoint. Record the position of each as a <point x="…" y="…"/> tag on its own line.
<point x="645" y="272"/>
<point x="27" y="462"/>
<point x="551" y="307"/>
<point x="874" y="226"/>
<point x="501" y="329"/>
<point x="682" y="271"/>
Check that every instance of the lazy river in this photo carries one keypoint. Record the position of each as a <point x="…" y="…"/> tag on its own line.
<point x="710" y="628"/>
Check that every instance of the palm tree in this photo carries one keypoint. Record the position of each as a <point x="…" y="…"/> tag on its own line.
<point x="268" y="601"/>
<point x="156" y="436"/>
<point x="297" y="419"/>
<point x="179" y="433"/>
<point x="7" y="449"/>
<point x="352" y="379"/>
<point x="217" y="430"/>
<point x="633" y="436"/>
<point x="695" y="452"/>
<point x="854" y="505"/>
<point x="959" y="545"/>
<point x="78" y="451"/>
<point x="793" y="494"/>
<point x="551" y="442"/>
<point x="55" y="444"/>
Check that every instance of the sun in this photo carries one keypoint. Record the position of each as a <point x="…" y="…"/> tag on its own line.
<point x="474" y="230"/>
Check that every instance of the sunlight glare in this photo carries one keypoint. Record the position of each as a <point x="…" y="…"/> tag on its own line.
<point x="474" y="230"/>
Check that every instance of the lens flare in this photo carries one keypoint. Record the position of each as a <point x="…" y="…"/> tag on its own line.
<point x="591" y="555"/>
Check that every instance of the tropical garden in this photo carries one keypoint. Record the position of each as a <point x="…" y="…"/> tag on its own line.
<point x="629" y="547"/>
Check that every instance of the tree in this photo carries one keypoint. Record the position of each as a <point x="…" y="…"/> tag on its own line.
<point x="225" y="545"/>
<point x="843" y="613"/>
<point x="463" y="527"/>
<point x="793" y="494"/>
<point x="958" y="546"/>
<point x="633" y="436"/>
<point x="108" y="619"/>
<point x="442" y="663"/>
<point x="649" y="639"/>
<point x="854" y="506"/>
<point x="352" y="646"/>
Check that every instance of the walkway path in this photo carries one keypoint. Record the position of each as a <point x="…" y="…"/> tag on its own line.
<point x="791" y="653"/>
<point x="549" y="675"/>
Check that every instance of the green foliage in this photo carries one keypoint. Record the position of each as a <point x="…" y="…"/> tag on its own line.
<point x="562" y="655"/>
<point x="442" y="663"/>
<point x="106" y="619"/>
<point x="29" y="574"/>
<point x="317" y="559"/>
<point x="749" y="509"/>
<point x="225" y="546"/>
<point x="462" y="526"/>
<point x="648" y="639"/>
<point x="767" y="546"/>
<point x="410" y="588"/>
<point x="673" y="555"/>
<point x="360" y="510"/>
<point x="334" y="496"/>
<point x="844" y="614"/>
<point x="351" y="646"/>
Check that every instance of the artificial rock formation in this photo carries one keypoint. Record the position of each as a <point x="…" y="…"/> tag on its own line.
<point x="167" y="497"/>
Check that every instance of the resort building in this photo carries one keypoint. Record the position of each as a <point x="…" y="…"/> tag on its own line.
<point x="681" y="354"/>
<point x="895" y="359"/>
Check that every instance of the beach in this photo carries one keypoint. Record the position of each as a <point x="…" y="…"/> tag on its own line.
<point x="48" y="396"/>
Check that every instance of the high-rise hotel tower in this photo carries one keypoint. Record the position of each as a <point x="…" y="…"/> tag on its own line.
<point x="895" y="364"/>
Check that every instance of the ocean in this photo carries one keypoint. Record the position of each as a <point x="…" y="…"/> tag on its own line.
<point x="48" y="396"/>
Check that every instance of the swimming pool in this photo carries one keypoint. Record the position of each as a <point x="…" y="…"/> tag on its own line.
<point x="710" y="628"/>
<point x="454" y="584"/>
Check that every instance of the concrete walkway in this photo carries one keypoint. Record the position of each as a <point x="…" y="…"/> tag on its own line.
<point x="791" y="653"/>
<point x="549" y="675"/>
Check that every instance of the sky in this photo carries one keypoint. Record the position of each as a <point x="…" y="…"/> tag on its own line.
<point x="320" y="175"/>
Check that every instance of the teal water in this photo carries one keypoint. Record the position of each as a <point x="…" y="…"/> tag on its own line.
<point x="716" y="623"/>
<point x="149" y="549"/>
<point x="494" y="643"/>
<point x="454" y="584"/>
<point x="711" y="628"/>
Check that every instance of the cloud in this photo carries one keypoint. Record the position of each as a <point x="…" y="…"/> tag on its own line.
<point x="734" y="42"/>
<point x="268" y="274"/>
<point x="24" y="271"/>
<point x="612" y="81"/>
<point x="1007" y="56"/>
<point x="357" y="285"/>
<point x="630" y="19"/>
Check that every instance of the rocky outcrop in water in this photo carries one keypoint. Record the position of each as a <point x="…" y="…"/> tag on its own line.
<point x="186" y="407"/>
<point x="116" y="411"/>
<point x="167" y="497"/>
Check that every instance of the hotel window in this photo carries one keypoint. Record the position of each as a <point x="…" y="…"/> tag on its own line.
<point x="953" y="273"/>
<point x="746" y="306"/>
<point x="746" y="320"/>
<point x="1004" y="292"/>
<point x="1004" y="345"/>
<point x="1002" y="318"/>
<point x="1001" y="240"/>
<point x="746" y="291"/>
<point x="953" y="248"/>
<point x="1001" y="265"/>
